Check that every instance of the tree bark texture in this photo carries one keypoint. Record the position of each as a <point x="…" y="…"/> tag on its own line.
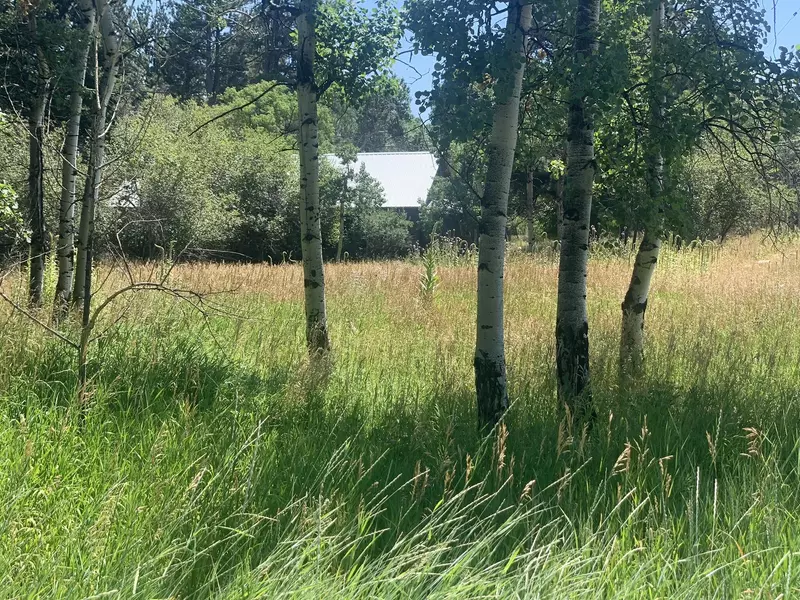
<point x="39" y="242"/>
<point x="65" y="249"/>
<point x="490" y="359"/>
<point x="572" y="324"/>
<point x="38" y="246"/>
<point x="631" y="351"/>
<point x="310" y="228"/>
<point x="102" y="98"/>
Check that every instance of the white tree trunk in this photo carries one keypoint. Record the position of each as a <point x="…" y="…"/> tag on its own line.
<point x="631" y="351"/>
<point x="65" y="249"/>
<point x="102" y="97"/>
<point x="560" y="206"/>
<point x="572" y="323"/>
<point x="635" y="304"/>
<point x="310" y="214"/>
<point x="490" y="359"/>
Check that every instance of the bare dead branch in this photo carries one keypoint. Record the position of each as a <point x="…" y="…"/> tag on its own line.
<point x="39" y="322"/>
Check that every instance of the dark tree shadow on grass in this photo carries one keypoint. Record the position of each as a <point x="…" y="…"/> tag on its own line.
<point x="283" y="441"/>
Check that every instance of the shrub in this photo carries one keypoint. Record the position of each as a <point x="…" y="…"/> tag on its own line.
<point x="12" y="226"/>
<point x="231" y="188"/>
<point x="386" y="234"/>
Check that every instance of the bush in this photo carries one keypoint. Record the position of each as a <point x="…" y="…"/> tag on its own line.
<point x="181" y="182"/>
<point x="13" y="233"/>
<point x="386" y="234"/>
<point x="232" y="187"/>
<point x="450" y="209"/>
<point x="716" y="199"/>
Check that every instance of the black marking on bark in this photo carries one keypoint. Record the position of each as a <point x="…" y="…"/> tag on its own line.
<point x="639" y="308"/>
<point x="572" y="368"/>
<point x="317" y="336"/>
<point x="484" y="267"/>
<point x="490" y="386"/>
<point x="572" y="214"/>
<point x="647" y="246"/>
<point x="310" y="283"/>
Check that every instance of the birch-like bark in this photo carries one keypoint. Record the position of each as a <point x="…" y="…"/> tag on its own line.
<point x="560" y="206"/>
<point x="102" y="98"/>
<point x="572" y="323"/>
<point x="490" y="359"/>
<point x="310" y="228"/>
<point x="38" y="246"/>
<point x="631" y="351"/>
<point x="65" y="249"/>
<point x="530" y="208"/>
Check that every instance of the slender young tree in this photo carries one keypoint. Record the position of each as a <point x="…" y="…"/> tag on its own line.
<point x="530" y="210"/>
<point x="353" y="67"/>
<point x="105" y="82"/>
<point x="490" y="358"/>
<point x="631" y="353"/>
<point x="308" y="138"/>
<point x="705" y="83"/>
<point x="572" y="323"/>
<point x="38" y="244"/>
<point x="65" y="249"/>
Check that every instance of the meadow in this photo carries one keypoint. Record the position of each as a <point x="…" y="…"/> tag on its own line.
<point x="213" y="461"/>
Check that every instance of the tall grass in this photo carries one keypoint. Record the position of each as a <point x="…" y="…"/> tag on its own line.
<point x="215" y="462"/>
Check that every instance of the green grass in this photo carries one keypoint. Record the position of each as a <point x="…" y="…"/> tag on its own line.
<point x="214" y="462"/>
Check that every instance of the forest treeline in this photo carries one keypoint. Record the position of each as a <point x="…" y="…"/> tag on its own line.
<point x="148" y="129"/>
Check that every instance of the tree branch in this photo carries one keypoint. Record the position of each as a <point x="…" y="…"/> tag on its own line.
<point x="42" y="324"/>
<point x="235" y="108"/>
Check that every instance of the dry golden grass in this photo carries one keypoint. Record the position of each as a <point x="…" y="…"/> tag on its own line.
<point x="214" y="461"/>
<point x="702" y="297"/>
<point x="743" y="285"/>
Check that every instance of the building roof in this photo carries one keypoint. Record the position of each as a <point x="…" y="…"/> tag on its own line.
<point x="406" y="177"/>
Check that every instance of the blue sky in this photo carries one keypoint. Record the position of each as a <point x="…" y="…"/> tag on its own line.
<point x="785" y="14"/>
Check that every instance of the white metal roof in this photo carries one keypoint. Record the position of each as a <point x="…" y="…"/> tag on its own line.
<point x="406" y="177"/>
